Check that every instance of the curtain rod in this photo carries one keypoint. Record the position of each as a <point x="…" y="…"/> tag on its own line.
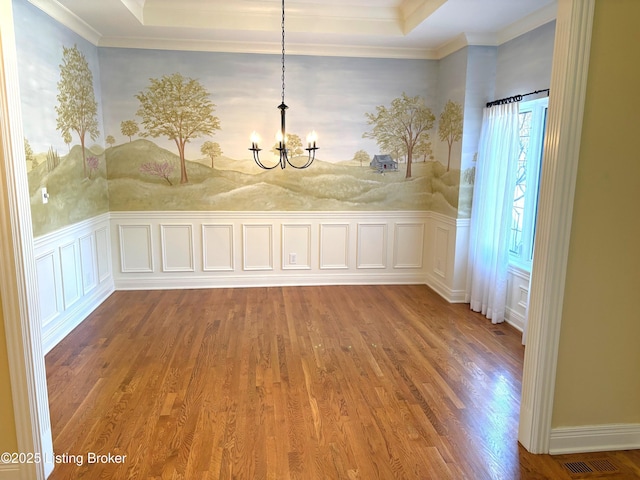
<point x="515" y="98"/>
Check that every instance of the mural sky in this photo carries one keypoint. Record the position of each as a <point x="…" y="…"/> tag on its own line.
<point x="327" y="94"/>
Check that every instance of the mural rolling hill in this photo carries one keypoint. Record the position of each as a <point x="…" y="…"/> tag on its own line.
<point x="72" y="196"/>
<point x="143" y="176"/>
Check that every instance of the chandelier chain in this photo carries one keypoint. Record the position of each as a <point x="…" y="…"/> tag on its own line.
<point x="282" y="51"/>
<point x="281" y="137"/>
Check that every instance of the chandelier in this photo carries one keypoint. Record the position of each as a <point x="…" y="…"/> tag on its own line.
<point x="281" y="136"/>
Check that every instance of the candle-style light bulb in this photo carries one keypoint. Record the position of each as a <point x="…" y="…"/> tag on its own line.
<point x="255" y="139"/>
<point x="311" y="139"/>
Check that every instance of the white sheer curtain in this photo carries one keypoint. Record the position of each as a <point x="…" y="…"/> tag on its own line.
<point x="491" y="211"/>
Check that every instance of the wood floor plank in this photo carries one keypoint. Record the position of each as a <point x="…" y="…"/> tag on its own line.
<point x="345" y="382"/>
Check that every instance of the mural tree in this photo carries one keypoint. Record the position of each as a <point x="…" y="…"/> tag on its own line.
<point x="28" y="152"/>
<point x="110" y="140"/>
<point x="179" y="109"/>
<point x="450" y="126"/>
<point x="394" y="147"/>
<point x="423" y="149"/>
<point x="77" y="107"/>
<point x="67" y="138"/>
<point x="362" y="157"/>
<point x="129" y="128"/>
<point x="294" y="145"/>
<point x="406" y="122"/>
<point x="211" y="149"/>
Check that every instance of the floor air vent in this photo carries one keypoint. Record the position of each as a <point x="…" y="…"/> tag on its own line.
<point x="603" y="466"/>
<point x="591" y="467"/>
<point x="578" y="467"/>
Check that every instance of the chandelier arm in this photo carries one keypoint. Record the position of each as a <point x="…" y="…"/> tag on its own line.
<point x="310" y="159"/>
<point x="256" y="158"/>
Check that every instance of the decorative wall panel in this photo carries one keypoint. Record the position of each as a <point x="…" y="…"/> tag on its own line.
<point x="47" y="287"/>
<point x="88" y="262"/>
<point x="217" y="247"/>
<point x="334" y="245"/>
<point x="296" y="247"/>
<point x="441" y="251"/>
<point x="408" y="245"/>
<point x="103" y="254"/>
<point x="135" y="248"/>
<point x="258" y="247"/>
<point x="372" y="245"/>
<point x="69" y="269"/>
<point x="177" y="248"/>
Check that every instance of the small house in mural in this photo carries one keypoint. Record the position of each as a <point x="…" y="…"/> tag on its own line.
<point x="384" y="163"/>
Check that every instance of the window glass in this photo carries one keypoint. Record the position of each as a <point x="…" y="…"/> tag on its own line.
<point x="532" y="122"/>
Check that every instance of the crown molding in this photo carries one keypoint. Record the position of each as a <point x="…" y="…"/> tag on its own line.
<point x="69" y="19"/>
<point x="528" y="23"/>
<point x="267" y="48"/>
<point x="414" y="12"/>
<point x="409" y="11"/>
<point x="136" y="7"/>
<point x="465" y="40"/>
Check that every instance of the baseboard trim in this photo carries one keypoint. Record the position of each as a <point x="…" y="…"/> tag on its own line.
<point x="594" y="438"/>
<point x="514" y="319"/>
<point x="71" y="318"/>
<point x="450" y="295"/>
<point x="248" y="281"/>
<point x="9" y="472"/>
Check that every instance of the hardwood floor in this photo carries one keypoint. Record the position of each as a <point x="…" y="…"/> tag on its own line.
<point x="357" y="382"/>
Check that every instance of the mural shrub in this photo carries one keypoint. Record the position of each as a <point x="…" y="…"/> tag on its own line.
<point x="93" y="163"/>
<point x="157" y="169"/>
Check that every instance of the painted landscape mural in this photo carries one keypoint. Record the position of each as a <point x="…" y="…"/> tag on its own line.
<point x="186" y="144"/>
<point x="128" y="130"/>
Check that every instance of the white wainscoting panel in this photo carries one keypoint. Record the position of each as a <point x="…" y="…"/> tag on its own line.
<point x="372" y="245"/>
<point x="334" y="246"/>
<point x="177" y="248"/>
<point x="246" y="249"/>
<point x="70" y="277"/>
<point x="446" y="252"/>
<point x="296" y="246"/>
<point x="441" y="251"/>
<point x="88" y="263"/>
<point x="408" y="245"/>
<point x="49" y="286"/>
<point x="103" y="253"/>
<point x="73" y="267"/>
<point x="258" y="246"/>
<point x="517" y="297"/>
<point x="217" y="248"/>
<point x="136" y="250"/>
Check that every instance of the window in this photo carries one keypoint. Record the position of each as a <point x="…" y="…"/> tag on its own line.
<point x="533" y="119"/>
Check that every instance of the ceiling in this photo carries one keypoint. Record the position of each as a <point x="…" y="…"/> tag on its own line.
<point x="369" y="28"/>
